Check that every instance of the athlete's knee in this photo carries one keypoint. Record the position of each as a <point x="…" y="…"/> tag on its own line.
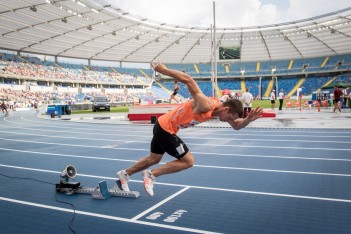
<point x="188" y="161"/>
<point x="190" y="164"/>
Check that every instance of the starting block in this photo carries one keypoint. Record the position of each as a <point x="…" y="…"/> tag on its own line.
<point x="99" y="192"/>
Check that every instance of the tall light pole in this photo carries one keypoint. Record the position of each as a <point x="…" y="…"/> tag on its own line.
<point x="212" y="63"/>
<point x="214" y="47"/>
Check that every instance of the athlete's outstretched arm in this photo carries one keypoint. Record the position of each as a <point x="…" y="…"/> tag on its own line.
<point x="243" y="122"/>
<point x="203" y="103"/>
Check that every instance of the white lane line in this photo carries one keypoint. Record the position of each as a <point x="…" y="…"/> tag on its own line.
<point x="69" y="155"/>
<point x="211" y="145"/>
<point x="192" y="136"/>
<point x="160" y="203"/>
<point x="197" y="165"/>
<point x="196" y="187"/>
<point x="194" y="152"/>
<point x="146" y="136"/>
<point x="270" y="156"/>
<point x="104" y="216"/>
<point x="277" y="171"/>
<point x="317" y="133"/>
<point x="81" y="132"/>
<point x="62" y="137"/>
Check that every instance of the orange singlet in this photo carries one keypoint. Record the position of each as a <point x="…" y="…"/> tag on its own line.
<point x="183" y="117"/>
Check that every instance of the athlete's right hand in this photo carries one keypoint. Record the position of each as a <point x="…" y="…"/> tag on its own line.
<point x="159" y="67"/>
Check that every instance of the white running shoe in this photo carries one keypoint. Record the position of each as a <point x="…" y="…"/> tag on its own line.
<point x="123" y="178"/>
<point x="149" y="180"/>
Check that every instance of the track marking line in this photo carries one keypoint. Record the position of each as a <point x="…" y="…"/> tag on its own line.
<point x="211" y="145"/>
<point x="197" y="165"/>
<point x="160" y="203"/>
<point x="188" y="136"/>
<point x="104" y="216"/>
<point x="196" y="187"/>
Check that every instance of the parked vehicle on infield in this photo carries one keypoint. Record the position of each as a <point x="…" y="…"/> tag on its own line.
<point x="101" y="103"/>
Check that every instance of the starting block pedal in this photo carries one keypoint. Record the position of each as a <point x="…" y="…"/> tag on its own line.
<point x="117" y="191"/>
<point x="101" y="191"/>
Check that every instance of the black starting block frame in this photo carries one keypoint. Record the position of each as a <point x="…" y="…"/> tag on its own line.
<point x="100" y="192"/>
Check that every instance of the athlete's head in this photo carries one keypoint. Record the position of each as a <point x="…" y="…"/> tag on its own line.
<point x="232" y="109"/>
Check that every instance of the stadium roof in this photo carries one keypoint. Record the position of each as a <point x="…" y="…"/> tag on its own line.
<point x="92" y="30"/>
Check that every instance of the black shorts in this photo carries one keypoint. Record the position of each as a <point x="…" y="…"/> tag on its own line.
<point x="336" y="101"/>
<point x="272" y="101"/>
<point x="164" y="142"/>
<point x="175" y="92"/>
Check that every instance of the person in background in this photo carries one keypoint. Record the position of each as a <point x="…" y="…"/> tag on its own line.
<point x="4" y="107"/>
<point x="272" y="98"/>
<point x="281" y="99"/>
<point x="226" y="95"/>
<point x="337" y="98"/>
<point x="175" y="91"/>
<point x="247" y="99"/>
<point x="36" y="107"/>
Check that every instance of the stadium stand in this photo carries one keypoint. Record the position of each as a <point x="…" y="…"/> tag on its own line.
<point x="37" y="75"/>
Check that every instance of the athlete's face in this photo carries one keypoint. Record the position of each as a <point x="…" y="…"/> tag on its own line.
<point x="227" y="116"/>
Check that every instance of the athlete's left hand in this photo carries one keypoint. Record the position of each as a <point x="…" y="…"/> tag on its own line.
<point x="255" y="114"/>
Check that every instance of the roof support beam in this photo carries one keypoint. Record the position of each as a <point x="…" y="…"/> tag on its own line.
<point x="265" y="44"/>
<point x="288" y="39"/>
<point x="196" y="43"/>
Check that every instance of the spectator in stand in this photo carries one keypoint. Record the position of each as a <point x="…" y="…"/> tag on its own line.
<point x="247" y="99"/>
<point x="337" y="98"/>
<point x="272" y="98"/>
<point x="281" y="99"/>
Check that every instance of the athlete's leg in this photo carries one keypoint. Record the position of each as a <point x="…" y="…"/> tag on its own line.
<point x="144" y="163"/>
<point x="149" y="176"/>
<point x="172" y="97"/>
<point x="183" y="163"/>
